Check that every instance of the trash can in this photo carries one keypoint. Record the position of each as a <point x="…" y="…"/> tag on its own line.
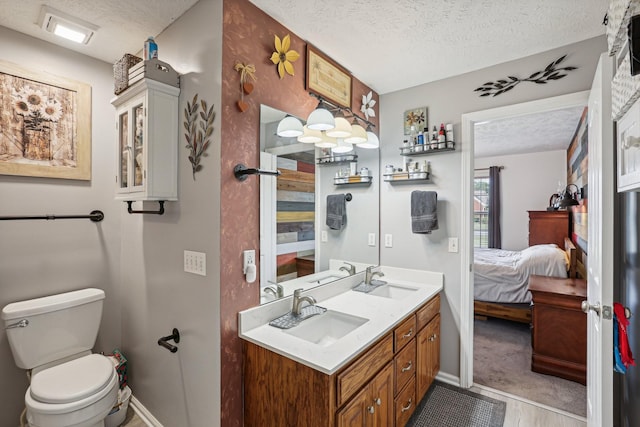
<point x="119" y="411"/>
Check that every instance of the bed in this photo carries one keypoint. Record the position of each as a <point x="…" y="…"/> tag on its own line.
<point x="501" y="277"/>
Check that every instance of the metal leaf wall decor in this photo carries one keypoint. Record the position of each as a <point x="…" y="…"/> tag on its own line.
<point x="551" y="72"/>
<point x="198" y="132"/>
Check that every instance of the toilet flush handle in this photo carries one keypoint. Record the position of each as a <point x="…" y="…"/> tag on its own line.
<point x="21" y="324"/>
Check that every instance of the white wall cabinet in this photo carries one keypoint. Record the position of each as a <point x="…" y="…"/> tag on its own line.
<point x="147" y="143"/>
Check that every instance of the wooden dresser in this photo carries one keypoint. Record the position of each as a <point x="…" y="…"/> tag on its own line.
<point x="548" y="227"/>
<point x="559" y="327"/>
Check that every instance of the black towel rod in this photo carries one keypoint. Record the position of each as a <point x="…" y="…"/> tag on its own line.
<point x="240" y="171"/>
<point x="95" y="216"/>
<point x="160" y="210"/>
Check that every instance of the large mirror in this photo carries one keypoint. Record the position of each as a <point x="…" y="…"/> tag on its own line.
<point x="297" y="248"/>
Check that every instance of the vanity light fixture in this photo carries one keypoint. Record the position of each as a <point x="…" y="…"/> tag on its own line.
<point x="290" y="127"/>
<point x="358" y="134"/>
<point x="66" y="26"/>
<point x="310" y="136"/>
<point x="327" y="142"/>
<point x="342" y="129"/>
<point x="342" y="146"/>
<point x="321" y="118"/>
<point x="372" y="141"/>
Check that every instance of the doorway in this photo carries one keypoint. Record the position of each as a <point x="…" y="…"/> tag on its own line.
<point x="469" y="122"/>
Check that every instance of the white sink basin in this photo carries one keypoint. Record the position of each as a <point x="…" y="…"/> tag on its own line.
<point x="327" y="328"/>
<point x="393" y="291"/>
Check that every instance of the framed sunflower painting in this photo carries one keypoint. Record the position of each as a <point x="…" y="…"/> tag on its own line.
<point x="45" y="125"/>
<point x="416" y="117"/>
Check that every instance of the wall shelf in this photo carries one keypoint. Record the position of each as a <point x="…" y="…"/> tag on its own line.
<point x="334" y="160"/>
<point x="418" y="150"/>
<point x="407" y="177"/>
<point x="353" y="180"/>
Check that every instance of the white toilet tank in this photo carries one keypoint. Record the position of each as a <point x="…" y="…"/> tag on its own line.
<point x="58" y="326"/>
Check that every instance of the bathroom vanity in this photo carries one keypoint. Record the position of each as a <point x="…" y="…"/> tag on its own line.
<point x="373" y="375"/>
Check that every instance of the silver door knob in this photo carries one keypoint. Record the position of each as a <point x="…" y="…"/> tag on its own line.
<point x="586" y="307"/>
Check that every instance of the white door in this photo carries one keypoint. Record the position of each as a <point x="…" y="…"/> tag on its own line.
<point x="600" y="252"/>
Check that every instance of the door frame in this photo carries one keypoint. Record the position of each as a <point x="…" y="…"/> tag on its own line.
<point x="466" y="262"/>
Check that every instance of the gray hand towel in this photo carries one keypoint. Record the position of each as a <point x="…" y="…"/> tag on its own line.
<point x="336" y="211"/>
<point x="424" y="216"/>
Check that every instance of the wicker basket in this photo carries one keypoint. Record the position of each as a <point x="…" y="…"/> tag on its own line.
<point x="121" y="72"/>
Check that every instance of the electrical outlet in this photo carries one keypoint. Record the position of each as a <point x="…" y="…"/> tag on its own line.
<point x="323" y="236"/>
<point x="453" y="244"/>
<point x="372" y="239"/>
<point x="249" y="258"/>
<point x="195" y="262"/>
<point x="388" y="241"/>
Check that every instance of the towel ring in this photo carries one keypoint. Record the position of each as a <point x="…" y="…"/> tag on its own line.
<point x="348" y="197"/>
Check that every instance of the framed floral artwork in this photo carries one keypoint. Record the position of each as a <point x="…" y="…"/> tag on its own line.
<point x="327" y="79"/>
<point x="45" y="124"/>
<point x="416" y="117"/>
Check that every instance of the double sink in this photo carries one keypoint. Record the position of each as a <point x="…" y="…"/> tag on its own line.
<point x="327" y="328"/>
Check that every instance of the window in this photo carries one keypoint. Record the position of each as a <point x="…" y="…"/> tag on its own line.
<point x="481" y="211"/>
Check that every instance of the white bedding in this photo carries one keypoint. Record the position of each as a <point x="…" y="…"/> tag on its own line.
<point x="503" y="276"/>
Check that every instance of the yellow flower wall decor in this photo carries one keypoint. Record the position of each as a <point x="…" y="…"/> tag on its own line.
<point x="283" y="57"/>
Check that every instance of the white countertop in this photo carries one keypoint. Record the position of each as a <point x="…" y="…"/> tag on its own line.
<point x="383" y="314"/>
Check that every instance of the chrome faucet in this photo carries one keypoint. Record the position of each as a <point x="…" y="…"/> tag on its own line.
<point x="349" y="268"/>
<point x="276" y="289"/>
<point x="298" y="300"/>
<point x="369" y="275"/>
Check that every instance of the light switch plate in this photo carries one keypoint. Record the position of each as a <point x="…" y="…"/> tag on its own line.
<point x="323" y="236"/>
<point x="195" y="262"/>
<point x="388" y="241"/>
<point x="372" y="239"/>
<point x="453" y="244"/>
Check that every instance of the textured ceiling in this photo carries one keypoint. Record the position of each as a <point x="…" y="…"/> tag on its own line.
<point x="552" y="130"/>
<point x="124" y="24"/>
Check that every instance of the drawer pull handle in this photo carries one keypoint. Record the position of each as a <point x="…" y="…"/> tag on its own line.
<point x="406" y="408"/>
<point x="407" y="368"/>
<point x="378" y="401"/>
<point x="371" y="409"/>
<point x="433" y="337"/>
<point x="408" y="334"/>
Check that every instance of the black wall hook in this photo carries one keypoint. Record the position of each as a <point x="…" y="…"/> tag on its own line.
<point x="175" y="337"/>
<point x="240" y="171"/>
<point x="348" y="197"/>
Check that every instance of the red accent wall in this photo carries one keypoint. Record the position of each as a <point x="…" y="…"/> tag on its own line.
<point x="248" y="36"/>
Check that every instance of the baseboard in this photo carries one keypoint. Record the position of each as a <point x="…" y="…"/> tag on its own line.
<point x="448" y="378"/>
<point x="144" y="413"/>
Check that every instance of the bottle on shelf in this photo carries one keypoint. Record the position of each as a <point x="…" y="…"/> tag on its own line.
<point x="425" y="134"/>
<point x="150" y="49"/>
<point x="434" y="138"/>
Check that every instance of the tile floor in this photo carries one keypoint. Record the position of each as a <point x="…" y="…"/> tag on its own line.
<point x="133" y="420"/>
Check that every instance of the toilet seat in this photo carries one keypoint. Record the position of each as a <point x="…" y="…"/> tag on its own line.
<point x="73" y="380"/>
<point x="70" y="382"/>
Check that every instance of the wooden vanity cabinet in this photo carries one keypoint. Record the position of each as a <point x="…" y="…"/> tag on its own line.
<point x="380" y="388"/>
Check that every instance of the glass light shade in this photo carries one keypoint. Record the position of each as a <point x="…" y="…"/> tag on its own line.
<point x="342" y="147"/>
<point x="342" y="129"/>
<point x="310" y="136"/>
<point x="358" y="135"/>
<point x="326" y="142"/>
<point x="321" y="119"/>
<point x="289" y="127"/>
<point x="371" y="142"/>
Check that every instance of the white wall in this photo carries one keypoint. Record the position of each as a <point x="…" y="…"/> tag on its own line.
<point x="39" y="258"/>
<point x="526" y="183"/>
<point x="447" y="100"/>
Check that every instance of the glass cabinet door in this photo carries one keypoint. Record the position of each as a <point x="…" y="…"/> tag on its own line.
<point x="138" y="145"/>
<point x="123" y="158"/>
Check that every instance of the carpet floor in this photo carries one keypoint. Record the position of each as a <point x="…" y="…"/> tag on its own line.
<point x="502" y="360"/>
<point x="445" y="405"/>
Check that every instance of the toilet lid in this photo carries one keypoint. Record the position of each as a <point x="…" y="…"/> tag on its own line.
<point x="73" y="380"/>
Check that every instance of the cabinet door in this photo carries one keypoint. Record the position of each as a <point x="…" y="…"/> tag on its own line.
<point x="382" y="397"/>
<point x="428" y="356"/>
<point x="372" y="406"/>
<point x="131" y="146"/>
<point x="356" y="413"/>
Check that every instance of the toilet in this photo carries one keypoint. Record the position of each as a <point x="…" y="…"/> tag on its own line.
<point x="53" y="337"/>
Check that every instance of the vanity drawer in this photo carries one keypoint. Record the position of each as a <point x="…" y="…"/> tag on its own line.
<point x="426" y="313"/>
<point x="362" y="370"/>
<point x="404" y="333"/>
<point x="405" y="403"/>
<point x="405" y="366"/>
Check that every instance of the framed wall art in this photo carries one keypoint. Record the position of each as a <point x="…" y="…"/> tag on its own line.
<point x="416" y="117"/>
<point x="327" y="79"/>
<point x="45" y="124"/>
